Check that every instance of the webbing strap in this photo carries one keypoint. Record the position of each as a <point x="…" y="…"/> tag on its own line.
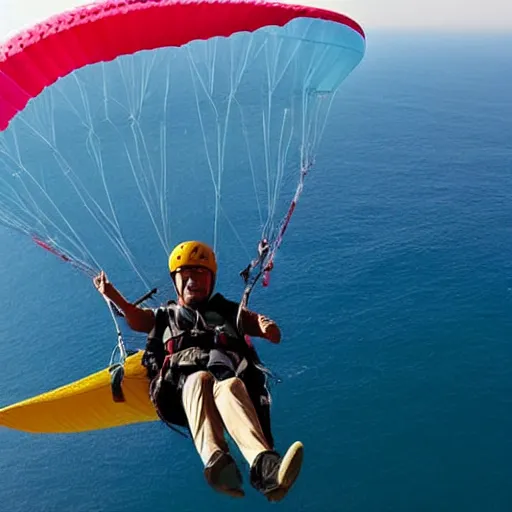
<point x="116" y="379"/>
<point x="261" y="264"/>
<point x="264" y="262"/>
<point x="116" y="369"/>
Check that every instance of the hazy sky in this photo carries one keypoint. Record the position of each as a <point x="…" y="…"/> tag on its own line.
<point x="436" y="14"/>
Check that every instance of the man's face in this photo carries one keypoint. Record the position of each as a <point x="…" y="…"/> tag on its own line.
<point x="193" y="285"/>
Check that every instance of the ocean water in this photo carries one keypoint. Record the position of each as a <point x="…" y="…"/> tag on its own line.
<point x="393" y="289"/>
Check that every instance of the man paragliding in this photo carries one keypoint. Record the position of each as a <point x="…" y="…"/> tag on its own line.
<point x="207" y="377"/>
<point x="102" y="88"/>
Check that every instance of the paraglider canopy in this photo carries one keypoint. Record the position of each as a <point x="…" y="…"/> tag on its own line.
<point x="124" y="94"/>
<point x="38" y="56"/>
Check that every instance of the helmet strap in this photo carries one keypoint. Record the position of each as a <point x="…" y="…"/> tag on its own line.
<point x="173" y="279"/>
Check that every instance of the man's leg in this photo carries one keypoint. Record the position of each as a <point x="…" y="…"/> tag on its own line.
<point x="240" y="419"/>
<point x="208" y="434"/>
<point x="270" y="474"/>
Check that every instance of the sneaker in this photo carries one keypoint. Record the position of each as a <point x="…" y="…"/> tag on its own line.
<point x="273" y="475"/>
<point x="223" y="475"/>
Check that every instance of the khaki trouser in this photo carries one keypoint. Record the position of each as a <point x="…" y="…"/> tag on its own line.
<point x="211" y="406"/>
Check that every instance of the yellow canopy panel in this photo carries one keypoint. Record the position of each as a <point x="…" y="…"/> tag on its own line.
<point x="85" y="404"/>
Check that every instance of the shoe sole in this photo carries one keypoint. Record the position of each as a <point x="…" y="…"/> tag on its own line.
<point x="288" y="471"/>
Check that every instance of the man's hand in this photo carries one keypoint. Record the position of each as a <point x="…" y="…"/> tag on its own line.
<point x="269" y="329"/>
<point x="103" y="285"/>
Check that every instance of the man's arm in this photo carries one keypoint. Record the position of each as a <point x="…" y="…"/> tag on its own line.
<point x="260" y="326"/>
<point x="138" y="319"/>
<point x="253" y="324"/>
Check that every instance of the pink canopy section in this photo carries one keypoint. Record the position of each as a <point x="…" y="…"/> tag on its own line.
<point x="39" y="56"/>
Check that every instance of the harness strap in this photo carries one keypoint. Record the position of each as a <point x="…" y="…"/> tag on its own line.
<point x="116" y="379"/>
<point x="116" y="369"/>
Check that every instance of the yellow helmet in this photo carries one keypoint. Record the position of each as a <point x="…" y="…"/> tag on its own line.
<point x="192" y="254"/>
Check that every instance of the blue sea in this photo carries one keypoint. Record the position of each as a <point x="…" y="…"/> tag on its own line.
<point x="393" y="290"/>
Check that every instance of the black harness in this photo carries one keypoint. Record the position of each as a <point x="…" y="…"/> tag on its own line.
<point x="184" y="341"/>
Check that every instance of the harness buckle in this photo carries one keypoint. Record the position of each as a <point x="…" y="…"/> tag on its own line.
<point x="220" y="338"/>
<point x="169" y="346"/>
